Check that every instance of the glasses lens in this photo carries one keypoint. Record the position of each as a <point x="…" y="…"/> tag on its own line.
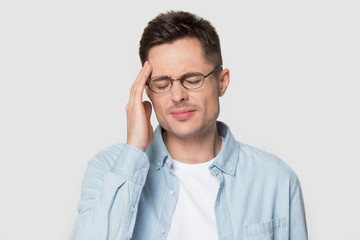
<point x="160" y="85"/>
<point x="193" y="80"/>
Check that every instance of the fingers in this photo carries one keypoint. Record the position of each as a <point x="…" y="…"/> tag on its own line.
<point x="139" y="129"/>
<point x="138" y="86"/>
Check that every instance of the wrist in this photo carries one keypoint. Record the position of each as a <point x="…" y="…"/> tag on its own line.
<point x="141" y="147"/>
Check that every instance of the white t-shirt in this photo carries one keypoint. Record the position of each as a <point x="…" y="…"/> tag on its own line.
<point x="194" y="217"/>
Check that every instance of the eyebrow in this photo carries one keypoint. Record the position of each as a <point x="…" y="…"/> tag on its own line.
<point x="161" y="77"/>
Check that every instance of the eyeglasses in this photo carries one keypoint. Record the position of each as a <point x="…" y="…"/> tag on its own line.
<point x="190" y="81"/>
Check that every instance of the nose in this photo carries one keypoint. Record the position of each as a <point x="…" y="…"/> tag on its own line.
<point x="178" y="93"/>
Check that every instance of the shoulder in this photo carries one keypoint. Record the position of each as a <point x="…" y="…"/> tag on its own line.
<point x="263" y="163"/>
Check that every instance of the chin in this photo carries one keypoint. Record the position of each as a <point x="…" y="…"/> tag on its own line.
<point x="184" y="134"/>
<point x="188" y="130"/>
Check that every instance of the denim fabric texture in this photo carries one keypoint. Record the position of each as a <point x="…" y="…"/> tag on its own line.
<point x="130" y="194"/>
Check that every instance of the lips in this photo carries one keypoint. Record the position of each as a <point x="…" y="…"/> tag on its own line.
<point x="182" y="114"/>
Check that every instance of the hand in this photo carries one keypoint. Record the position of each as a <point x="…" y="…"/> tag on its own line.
<point x="139" y="129"/>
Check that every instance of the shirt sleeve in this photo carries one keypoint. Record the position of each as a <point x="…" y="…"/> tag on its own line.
<point x="110" y="194"/>
<point x="298" y="229"/>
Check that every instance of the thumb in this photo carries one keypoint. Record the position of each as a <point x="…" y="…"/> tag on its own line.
<point x="148" y="109"/>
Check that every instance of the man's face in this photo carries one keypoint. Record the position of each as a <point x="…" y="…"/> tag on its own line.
<point x="182" y="112"/>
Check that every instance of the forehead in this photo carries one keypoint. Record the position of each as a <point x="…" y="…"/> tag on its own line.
<point x="178" y="57"/>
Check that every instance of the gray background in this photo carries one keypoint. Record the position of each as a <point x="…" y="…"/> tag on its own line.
<point x="66" y="68"/>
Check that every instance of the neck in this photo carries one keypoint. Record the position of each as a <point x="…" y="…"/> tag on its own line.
<point x="197" y="149"/>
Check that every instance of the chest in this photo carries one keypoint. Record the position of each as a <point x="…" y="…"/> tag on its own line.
<point x="234" y="202"/>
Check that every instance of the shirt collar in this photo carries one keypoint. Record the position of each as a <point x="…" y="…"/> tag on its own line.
<point x="226" y="160"/>
<point x="228" y="157"/>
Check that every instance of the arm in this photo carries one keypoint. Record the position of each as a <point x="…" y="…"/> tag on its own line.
<point x="110" y="194"/>
<point x="115" y="177"/>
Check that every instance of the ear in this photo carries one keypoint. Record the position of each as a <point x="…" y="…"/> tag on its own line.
<point x="224" y="81"/>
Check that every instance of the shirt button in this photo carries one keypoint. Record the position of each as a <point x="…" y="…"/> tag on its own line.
<point x="162" y="230"/>
<point x="230" y="169"/>
<point x="143" y="169"/>
<point x="133" y="209"/>
<point x="159" y="164"/>
<point x="172" y="192"/>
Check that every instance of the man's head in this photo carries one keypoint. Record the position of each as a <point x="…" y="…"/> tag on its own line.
<point x="178" y="43"/>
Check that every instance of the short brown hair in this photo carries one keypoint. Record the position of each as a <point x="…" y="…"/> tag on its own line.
<point x="174" y="25"/>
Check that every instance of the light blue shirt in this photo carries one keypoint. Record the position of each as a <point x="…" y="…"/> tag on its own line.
<point x="130" y="194"/>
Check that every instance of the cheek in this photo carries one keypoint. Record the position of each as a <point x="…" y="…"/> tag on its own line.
<point x="212" y="99"/>
<point x="213" y="105"/>
<point x="159" y="106"/>
<point x="209" y="103"/>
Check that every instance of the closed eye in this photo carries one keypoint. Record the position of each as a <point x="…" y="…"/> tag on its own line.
<point x="192" y="82"/>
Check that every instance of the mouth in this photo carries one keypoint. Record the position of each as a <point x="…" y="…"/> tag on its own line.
<point x="182" y="114"/>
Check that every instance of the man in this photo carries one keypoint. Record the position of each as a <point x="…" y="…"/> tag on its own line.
<point x="190" y="179"/>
